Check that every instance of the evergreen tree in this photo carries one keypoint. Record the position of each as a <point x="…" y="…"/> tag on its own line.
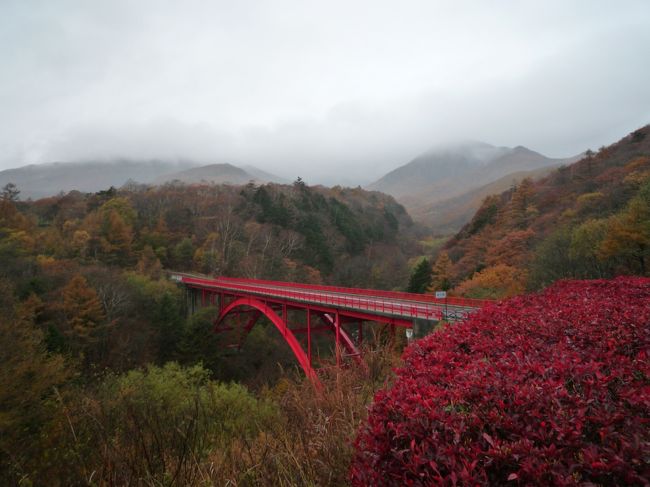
<point x="420" y="278"/>
<point x="9" y="192"/>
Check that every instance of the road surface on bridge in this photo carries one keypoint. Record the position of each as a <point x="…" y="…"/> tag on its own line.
<point x="404" y="306"/>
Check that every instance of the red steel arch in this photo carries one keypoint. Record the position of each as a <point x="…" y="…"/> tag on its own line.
<point x="335" y="306"/>
<point x="282" y="326"/>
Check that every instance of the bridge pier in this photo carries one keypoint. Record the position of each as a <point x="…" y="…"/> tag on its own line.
<point x="309" y="335"/>
<point x="337" y="326"/>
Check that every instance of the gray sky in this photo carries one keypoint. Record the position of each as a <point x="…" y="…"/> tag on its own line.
<point x="334" y="91"/>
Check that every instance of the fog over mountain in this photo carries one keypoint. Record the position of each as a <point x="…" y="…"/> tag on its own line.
<point x="218" y="174"/>
<point x="336" y="92"/>
<point x="38" y="181"/>
<point x="447" y="171"/>
<point x="442" y="186"/>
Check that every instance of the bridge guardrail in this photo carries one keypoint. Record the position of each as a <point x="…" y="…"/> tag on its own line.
<point x="429" y="298"/>
<point x="371" y="303"/>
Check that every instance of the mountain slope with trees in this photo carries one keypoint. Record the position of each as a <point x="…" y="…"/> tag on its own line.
<point x="590" y="219"/>
<point x="433" y="185"/>
<point x="448" y="216"/>
<point x="268" y="231"/>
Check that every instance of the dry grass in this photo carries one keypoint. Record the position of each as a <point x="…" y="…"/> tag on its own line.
<point x="313" y="444"/>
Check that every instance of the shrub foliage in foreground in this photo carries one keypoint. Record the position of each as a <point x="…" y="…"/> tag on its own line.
<point x="552" y="388"/>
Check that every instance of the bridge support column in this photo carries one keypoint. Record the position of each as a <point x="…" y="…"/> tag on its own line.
<point x="337" y="326"/>
<point x="285" y="318"/>
<point x="309" y="335"/>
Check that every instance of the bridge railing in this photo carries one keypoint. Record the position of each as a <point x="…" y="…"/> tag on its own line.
<point x="359" y="302"/>
<point x="426" y="298"/>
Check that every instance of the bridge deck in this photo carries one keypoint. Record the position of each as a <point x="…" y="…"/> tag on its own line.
<point x="403" y="307"/>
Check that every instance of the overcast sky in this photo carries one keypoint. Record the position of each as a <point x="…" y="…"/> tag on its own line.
<point x="333" y="91"/>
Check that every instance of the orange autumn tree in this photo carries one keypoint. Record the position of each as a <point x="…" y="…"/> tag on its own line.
<point x="82" y="311"/>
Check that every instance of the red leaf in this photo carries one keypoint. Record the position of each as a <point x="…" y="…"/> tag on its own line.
<point x="489" y="439"/>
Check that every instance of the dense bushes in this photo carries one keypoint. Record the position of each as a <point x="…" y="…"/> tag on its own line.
<point x="552" y="388"/>
<point x="154" y="427"/>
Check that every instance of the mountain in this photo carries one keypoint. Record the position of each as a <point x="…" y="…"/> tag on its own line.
<point x="449" y="215"/>
<point x="589" y="219"/>
<point x="267" y="177"/>
<point x="211" y="174"/>
<point x="221" y="174"/>
<point x="38" y="181"/>
<point x="437" y="166"/>
<point x="42" y="180"/>
<point x="448" y="172"/>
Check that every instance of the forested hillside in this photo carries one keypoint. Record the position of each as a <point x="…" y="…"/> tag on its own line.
<point x="270" y="231"/>
<point x="590" y="219"/>
<point x="89" y="267"/>
<point x="98" y="349"/>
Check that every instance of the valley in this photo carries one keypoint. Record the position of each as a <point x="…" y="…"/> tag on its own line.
<point x="87" y="294"/>
<point x="324" y="244"/>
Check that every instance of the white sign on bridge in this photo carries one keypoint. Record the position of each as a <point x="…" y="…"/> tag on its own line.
<point x="441" y="294"/>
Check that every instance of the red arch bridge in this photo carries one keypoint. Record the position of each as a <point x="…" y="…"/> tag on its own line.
<point x="338" y="311"/>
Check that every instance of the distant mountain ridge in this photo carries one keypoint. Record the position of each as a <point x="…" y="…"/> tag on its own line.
<point x="449" y="215"/>
<point x="42" y="180"/>
<point x="211" y="174"/>
<point x="585" y="220"/>
<point x="220" y="174"/>
<point x="441" y="174"/>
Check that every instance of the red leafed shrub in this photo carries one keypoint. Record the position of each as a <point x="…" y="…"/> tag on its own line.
<point x="544" y="389"/>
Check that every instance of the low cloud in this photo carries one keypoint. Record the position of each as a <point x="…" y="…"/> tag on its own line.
<point x="335" y="94"/>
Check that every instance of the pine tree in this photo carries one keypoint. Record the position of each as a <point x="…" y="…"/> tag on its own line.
<point x="420" y="277"/>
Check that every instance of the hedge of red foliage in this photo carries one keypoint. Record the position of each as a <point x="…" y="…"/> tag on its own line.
<point x="545" y="389"/>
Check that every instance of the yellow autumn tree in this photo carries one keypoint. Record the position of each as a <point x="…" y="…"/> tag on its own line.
<point x="496" y="282"/>
<point x="149" y="264"/>
<point x="628" y="234"/>
<point x="521" y="207"/>
<point x="207" y="257"/>
<point x="118" y="234"/>
<point x="441" y="274"/>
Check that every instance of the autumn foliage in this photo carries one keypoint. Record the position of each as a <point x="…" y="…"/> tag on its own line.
<point x="587" y="220"/>
<point x="545" y="389"/>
